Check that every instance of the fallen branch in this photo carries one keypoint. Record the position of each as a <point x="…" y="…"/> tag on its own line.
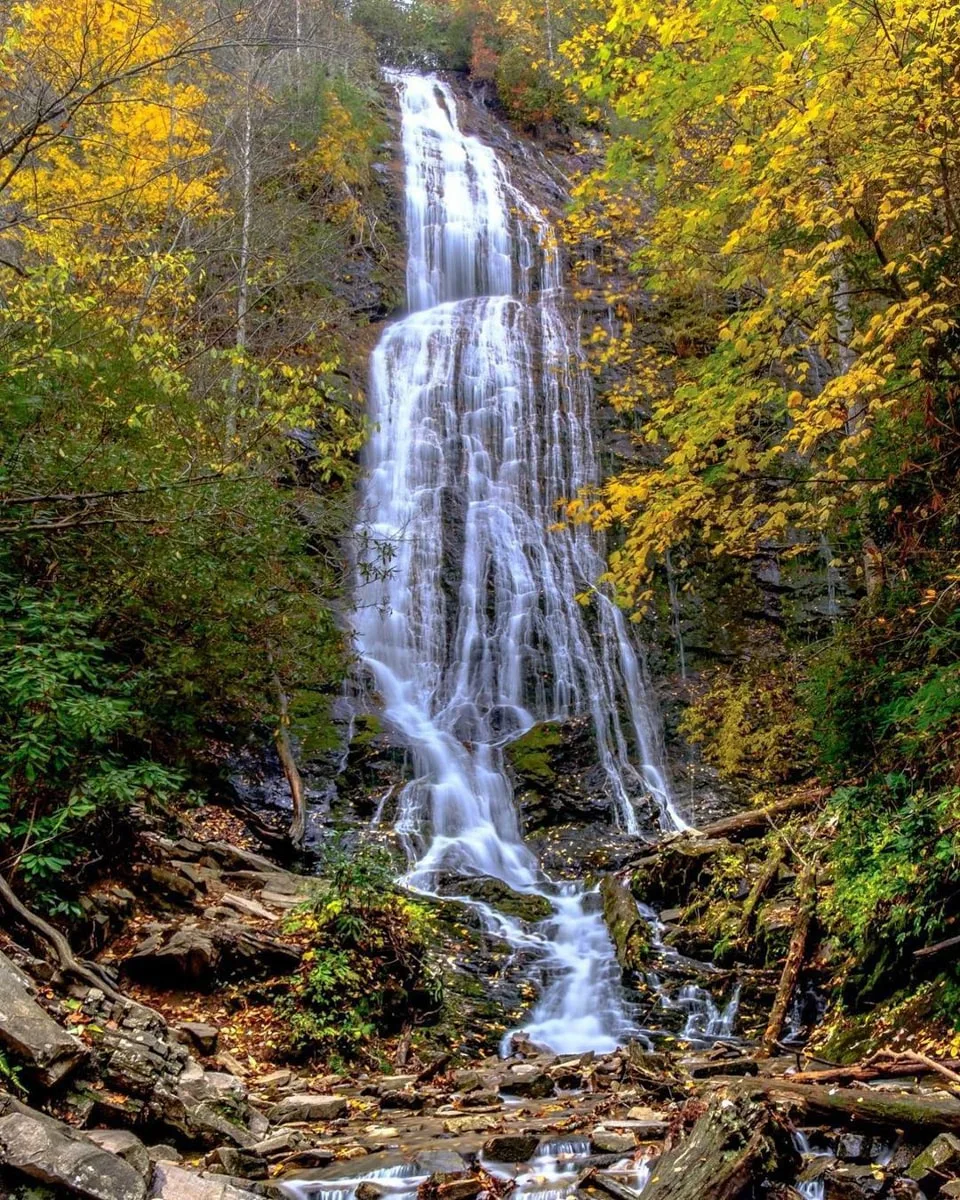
<point x="885" y="1064"/>
<point x="950" y="943"/>
<point x="66" y="960"/>
<point x="759" y="889"/>
<point x="757" y="821"/>
<point x="603" y="1183"/>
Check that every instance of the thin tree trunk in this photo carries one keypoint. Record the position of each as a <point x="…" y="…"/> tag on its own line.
<point x="243" y="265"/>
<point x="298" y="802"/>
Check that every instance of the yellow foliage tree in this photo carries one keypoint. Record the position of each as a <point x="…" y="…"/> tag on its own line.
<point x="785" y="175"/>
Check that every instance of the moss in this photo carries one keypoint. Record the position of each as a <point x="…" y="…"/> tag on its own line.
<point x="530" y="756"/>
<point x="366" y="730"/>
<point x="522" y="905"/>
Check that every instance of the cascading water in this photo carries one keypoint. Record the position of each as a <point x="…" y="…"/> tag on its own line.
<point x="483" y="426"/>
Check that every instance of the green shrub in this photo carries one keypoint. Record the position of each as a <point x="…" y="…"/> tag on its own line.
<point x="367" y="971"/>
<point x="751" y="725"/>
<point x="68" y="736"/>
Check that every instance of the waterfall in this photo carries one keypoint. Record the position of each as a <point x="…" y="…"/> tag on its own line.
<point x="482" y="426"/>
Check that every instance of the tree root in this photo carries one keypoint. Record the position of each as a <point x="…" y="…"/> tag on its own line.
<point x="54" y="940"/>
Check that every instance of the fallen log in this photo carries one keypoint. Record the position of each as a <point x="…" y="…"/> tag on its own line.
<point x="756" y="821"/>
<point x="862" y="1107"/>
<point x="737" y="1141"/>
<point x="806" y="894"/>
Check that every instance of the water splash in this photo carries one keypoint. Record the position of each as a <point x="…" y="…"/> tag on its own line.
<point x="483" y="425"/>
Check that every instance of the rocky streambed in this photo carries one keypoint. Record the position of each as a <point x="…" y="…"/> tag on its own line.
<point x="162" y="1082"/>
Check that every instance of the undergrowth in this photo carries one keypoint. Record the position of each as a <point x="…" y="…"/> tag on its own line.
<point x="367" y="973"/>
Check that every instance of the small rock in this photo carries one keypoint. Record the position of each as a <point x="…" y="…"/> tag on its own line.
<point x="369" y="1191"/>
<point x="280" y="1142"/>
<point x="275" y="1080"/>
<point x="203" y="1036"/>
<point x="605" y="1141"/>
<point x="468" y="1124"/>
<point x="163" y="1153"/>
<point x="307" y="1107"/>
<point x="401" y="1099"/>
<point x="849" y="1181"/>
<point x="396" y="1083"/>
<point x="511" y="1148"/>
<point x="481" y="1099"/>
<point x="247" y="906"/>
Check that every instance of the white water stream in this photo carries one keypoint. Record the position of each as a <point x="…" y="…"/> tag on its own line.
<point x="483" y="425"/>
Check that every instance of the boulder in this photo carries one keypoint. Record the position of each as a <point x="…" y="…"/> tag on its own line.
<point x="174" y="1183"/>
<point x="307" y="1107"/>
<point x="189" y="957"/>
<point x="526" y="906"/>
<point x="938" y="1163"/>
<point x="511" y="1148"/>
<point x="529" y="1082"/>
<point x="201" y="956"/>
<point x="668" y="877"/>
<point x="243" y="1164"/>
<point x="31" y="1034"/>
<point x="52" y="1154"/>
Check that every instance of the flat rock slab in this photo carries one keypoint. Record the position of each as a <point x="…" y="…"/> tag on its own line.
<point x="50" y="1153"/>
<point x="307" y="1107"/>
<point x="31" y="1034"/>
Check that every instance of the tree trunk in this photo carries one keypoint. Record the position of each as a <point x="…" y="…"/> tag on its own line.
<point x="806" y="891"/>
<point x="737" y="1141"/>
<point x="298" y="802"/>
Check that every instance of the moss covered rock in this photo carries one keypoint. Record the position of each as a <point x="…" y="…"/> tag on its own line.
<point x="628" y="930"/>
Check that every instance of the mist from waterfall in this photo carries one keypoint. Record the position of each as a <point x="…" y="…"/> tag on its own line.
<point x="482" y="426"/>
